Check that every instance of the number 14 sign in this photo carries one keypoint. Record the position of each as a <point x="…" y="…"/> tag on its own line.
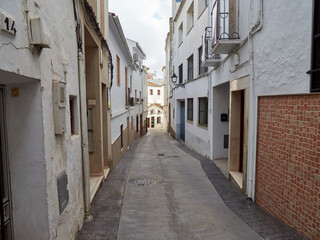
<point x="7" y="23"/>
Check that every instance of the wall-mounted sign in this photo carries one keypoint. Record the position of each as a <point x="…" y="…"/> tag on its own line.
<point x="7" y="23"/>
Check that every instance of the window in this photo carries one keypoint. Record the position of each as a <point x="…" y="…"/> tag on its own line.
<point x="151" y="91"/>
<point x="126" y="85"/>
<point x="159" y="111"/>
<point x="140" y="96"/>
<point x="135" y="94"/>
<point x="315" y="72"/>
<point x="151" y="111"/>
<point x="130" y="84"/>
<point x="158" y="92"/>
<point x="121" y="135"/>
<point x="190" y="68"/>
<point x="180" y="36"/>
<point x="118" y="71"/>
<point x="181" y="73"/>
<point x="190" y="17"/>
<point x="202" y="6"/>
<point x="190" y="110"/>
<point x="203" y="112"/>
<point x="158" y="119"/>
<point x="202" y="70"/>
<point x="137" y="123"/>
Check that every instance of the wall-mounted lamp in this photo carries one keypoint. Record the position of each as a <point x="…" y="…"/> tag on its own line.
<point x="174" y="78"/>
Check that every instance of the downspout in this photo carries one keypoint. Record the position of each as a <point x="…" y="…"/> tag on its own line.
<point x="254" y="101"/>
<point x="210" y="75"/>
<point x="83" y="116"/>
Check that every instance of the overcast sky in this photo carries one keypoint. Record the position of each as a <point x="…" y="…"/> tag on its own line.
<point x="147" y="22"/>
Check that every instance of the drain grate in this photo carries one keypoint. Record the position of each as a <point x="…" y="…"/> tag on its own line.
<point x="142" y="182"/>
<point x="160" y="154"/>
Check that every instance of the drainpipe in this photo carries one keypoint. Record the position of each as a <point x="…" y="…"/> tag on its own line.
<point x="210" y="101"/>
<point x="253" y="101"/>
<point x="83" y="116"/>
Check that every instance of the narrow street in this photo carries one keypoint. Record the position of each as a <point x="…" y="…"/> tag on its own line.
<point x="180" y="204"/>
<point x="159" y="191"/>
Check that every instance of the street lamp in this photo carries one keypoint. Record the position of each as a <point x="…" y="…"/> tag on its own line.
<point x="174" y="78"/>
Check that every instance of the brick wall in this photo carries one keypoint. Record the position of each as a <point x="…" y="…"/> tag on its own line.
<point x="288" y="160"/>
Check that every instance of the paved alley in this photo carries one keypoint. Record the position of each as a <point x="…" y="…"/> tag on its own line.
<point x="159" y="191"/>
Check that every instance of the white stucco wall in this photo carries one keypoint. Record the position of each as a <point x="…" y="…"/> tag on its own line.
<point x="282" y="61"/>
<point x="220" y="105"/>
<point x="119" y="112"/>
<point x="155" y="98"/>
<point x="42" y="155"/>
<point x="197" y="137"/>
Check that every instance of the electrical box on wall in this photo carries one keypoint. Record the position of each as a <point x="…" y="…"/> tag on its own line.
<point x="59" y="106"/>
<point x="63" y="193"/>
<point x="36" y="33"/>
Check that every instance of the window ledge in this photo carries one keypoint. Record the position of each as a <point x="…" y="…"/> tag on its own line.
<point x="190" y="30"/>
<point x="202" y="126"/>
<point x="202" y="12"/>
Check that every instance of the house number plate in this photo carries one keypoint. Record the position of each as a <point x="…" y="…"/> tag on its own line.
<point x="8" y="24"/>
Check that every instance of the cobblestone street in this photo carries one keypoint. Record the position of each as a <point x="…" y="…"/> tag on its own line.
<point x="161" y="190"/>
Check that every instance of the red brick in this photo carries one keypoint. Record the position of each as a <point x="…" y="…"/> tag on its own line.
<point x="288" y="160"/>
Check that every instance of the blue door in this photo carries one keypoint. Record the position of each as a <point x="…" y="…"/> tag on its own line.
<point x="182" y="121"/>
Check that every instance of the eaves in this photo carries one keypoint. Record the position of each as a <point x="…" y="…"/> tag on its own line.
<point x="121" y="34"/>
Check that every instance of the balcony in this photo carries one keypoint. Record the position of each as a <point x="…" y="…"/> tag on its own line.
<point x="132" y="101"/>
<point x="208" y="59"/>
<point x="225" y="37"/>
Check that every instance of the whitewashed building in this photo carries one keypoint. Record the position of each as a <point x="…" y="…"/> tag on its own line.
<point x="262" y="97"/>
<point x="128" y="116"/>
<point x="45" y="183"/>
<point x="189" y="110"/>
<point x="156" y="103"/>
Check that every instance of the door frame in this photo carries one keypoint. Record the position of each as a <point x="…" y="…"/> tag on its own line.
<point x="6" y="168"/>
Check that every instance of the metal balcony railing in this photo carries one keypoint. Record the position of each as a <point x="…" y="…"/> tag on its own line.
<point x="223" y="21"/>
<point x="207" y="58"/>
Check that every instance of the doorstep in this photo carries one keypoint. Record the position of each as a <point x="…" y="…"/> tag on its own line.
<point x="236" y="177"/>
<point x="95" y="184"/>
<point x="222" y="164"/>
<point x="106" y="172"/>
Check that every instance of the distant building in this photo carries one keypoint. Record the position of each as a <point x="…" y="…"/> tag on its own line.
<point x="156" y="102"/>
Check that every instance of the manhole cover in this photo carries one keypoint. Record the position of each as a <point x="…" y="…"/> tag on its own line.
<point x="160" y="154"/>
<point x="142" y="182"/>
